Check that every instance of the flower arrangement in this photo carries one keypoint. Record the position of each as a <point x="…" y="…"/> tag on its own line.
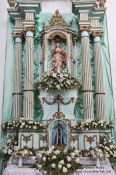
<point x="10" y="147"/>
<point x="22" y="124"/>
<point x="60" y="160"/>
<point x="57" y="80"/>
<point x="98" y="124"/>
<point x="106" y="148"/>
<point x="57" y="161"/>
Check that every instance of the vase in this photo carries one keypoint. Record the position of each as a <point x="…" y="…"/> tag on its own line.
<point x="20" y="163"/>
<point x="98" y="162"/>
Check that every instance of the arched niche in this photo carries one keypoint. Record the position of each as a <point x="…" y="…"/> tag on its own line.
<point x="49" y="36"/>
<point x="58" y="130"/>
<point x="59" y="133"/>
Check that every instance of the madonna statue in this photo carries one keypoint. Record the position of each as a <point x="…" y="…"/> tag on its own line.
<point x="59" y="60"/>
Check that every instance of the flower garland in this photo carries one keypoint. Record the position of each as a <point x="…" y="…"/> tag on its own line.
<point x="57" y="80"/>
<point x="97" y="124"/>
<point x="23" y="124"/>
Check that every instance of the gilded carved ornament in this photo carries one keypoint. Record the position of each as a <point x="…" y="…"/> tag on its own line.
<point x="57" y="20"/>
<point x="84" y="28"/>
<point x="29" y="28"/>
<point x="90" y="139"/>
<point x="17" y="34"/>
<point x="97" y="33"/>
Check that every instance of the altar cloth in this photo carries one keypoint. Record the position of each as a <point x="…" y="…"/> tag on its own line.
<point x="104" y="169"/>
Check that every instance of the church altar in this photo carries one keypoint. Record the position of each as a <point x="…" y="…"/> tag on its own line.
<point x="61" y="118"/>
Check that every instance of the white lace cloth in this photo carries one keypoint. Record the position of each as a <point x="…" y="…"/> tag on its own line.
<point x="104" y="169"/>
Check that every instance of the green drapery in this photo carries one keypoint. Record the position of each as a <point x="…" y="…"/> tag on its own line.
<point x="41" y="21"/>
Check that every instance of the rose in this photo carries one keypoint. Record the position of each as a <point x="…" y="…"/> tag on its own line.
<point x="77" y="160"/>
<point x="64" y="170"/>
<point x="53" y="165"/>
<point x="53" y="157"/>
<point x="39" y="155"/>
<point x="61" y="162"/>
<point x="39" y="166"/>
<point x="69" y="158"/>
<point x="57" y="152"/>
<point x="59" y="166"/>
<point x="44" y="159"/>
<point x="68" y="165"/>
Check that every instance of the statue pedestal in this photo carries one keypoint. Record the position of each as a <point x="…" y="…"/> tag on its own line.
<point x="51" y="103"/>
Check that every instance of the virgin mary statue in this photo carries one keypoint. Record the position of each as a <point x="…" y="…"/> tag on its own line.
<point x="59" y="60"/>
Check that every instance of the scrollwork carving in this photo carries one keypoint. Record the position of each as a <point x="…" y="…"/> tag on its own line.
<point x="29" y="28"/>
<point x="17" y="34"/>
<point x="84" y="28"/>
<point x="97" y="33"/>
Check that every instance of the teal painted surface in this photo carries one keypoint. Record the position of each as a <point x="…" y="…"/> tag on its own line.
<point x="41" y="21"/>
<point x="7" y="108"/>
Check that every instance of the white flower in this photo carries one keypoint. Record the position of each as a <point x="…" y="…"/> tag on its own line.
<point x="77" y="160"/>
<point x="53" y="157"/>
<point x="23" y="123"/>
<point x="47" y="152"/>
<point x="16" y="148"/>
<point x="44" y="158"/>
<point x="39" y="166"/>
<point x="59" y="166"/>
<point x="9" y="151"/>
<point x="57" y="152"/>
<point x="69" y="158"/>
<point x="30" y="121"/>
<point x="45" y="172"/>
<point x="52" y="147"/>
<point x="34" y="127"/>
<point x="9" y="141"/>
<point x="5" y="151"/>
<point x="68" y="165"/>
<point x="53" y="165"/>
<point x="61" y="162"/>
<point x="72" y="154"/>
<point x="39" y="155"/>
<point x="64" y="170"/>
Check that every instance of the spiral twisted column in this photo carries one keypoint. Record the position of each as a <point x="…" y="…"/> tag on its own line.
<point x="28" y="98"/>
<point x="99" y="86"/>
<point x="17" y="86"/>
<point x="86" y="75"/>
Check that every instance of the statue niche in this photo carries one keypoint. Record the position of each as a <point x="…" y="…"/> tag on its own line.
<point x="57" y="47"/>
<point x="59" y="59"/>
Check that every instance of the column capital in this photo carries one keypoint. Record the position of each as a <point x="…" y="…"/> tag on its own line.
<point x="17" y="34"/>
<point x="97" y="33"/>
<point x="84" y="28"/>
<point x="29" y="28"/>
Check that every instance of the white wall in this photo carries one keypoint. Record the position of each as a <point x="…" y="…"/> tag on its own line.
<point x="111" y="14"/>
<point x="111" y="20"/>
<point x="3" y="30"/>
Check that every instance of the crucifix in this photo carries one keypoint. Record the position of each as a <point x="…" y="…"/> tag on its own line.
<point x="59" y="100"/>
